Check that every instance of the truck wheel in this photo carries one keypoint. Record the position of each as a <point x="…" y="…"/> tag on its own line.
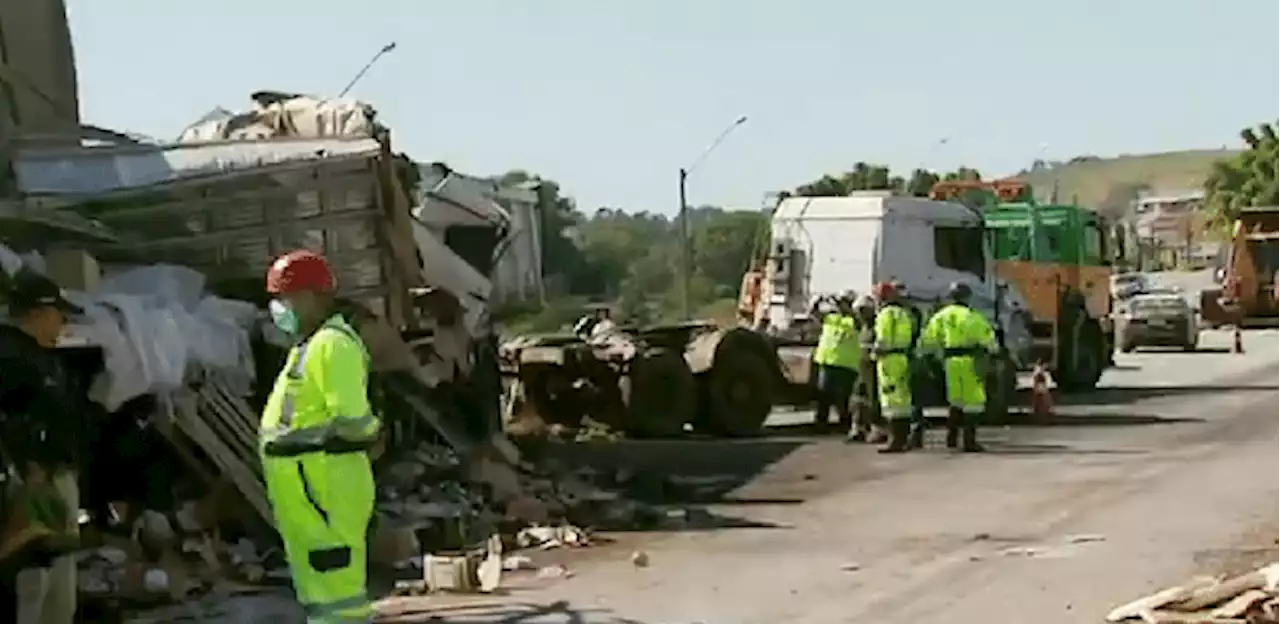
<point x="739" y="395"/>
<point x="1084" y="360"/>
<point x="660" y="394"/>
<point x="1002" y="391"/>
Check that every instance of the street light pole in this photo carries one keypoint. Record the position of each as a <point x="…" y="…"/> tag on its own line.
<point x="686" y="260"/>
<point x="686" y="253"/>
<point x="360" y="74"/>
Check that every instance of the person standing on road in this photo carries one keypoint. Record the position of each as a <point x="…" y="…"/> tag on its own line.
<point x="915" y="439"/>
<point x="965" y="341"/>
<point x="893" y="333"/>
<point x="836" y="356"/>
<point x="316" y="435"/>
<point x="867" y="427"/>
<point x="41" y="430"/>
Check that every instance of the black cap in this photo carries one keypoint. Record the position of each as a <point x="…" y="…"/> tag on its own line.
<point x="32" y="290"/>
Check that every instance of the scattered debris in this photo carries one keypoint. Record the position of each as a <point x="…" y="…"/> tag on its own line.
<point x="554" y="572"/>
<point x="851" y="567"/>
<point x="640" y="559"/>
<point x="1246" y="599"/>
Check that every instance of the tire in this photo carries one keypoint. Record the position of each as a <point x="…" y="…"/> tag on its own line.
<point x="739" y="392"/>
<point x="660" y="393"/>
<point x="1002" y="391"/>
<point x="1085" y="360"/>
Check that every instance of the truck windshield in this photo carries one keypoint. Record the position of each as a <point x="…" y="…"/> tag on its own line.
<point x="959" y="248"/>
<point x="1265" y="259"/>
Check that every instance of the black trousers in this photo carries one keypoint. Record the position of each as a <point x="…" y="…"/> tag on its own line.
<point x="835" y="388"/>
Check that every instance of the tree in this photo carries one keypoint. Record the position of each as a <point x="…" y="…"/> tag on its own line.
<point x="869" y="177"/>
<point x="723" y="246"/>
<point x="1246" y="179"/>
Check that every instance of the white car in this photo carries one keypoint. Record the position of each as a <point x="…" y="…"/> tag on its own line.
<point x="1157" y="319"/>
<point x="1126" y="285"/>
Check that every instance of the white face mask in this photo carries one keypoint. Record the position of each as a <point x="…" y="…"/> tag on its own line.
<point x="284" y="316"/>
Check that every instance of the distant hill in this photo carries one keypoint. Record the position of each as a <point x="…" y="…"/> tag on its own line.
<point x="1108" y="183"/>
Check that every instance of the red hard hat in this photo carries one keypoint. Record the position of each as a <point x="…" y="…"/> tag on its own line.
<point x="884" y="291"/>
<point x="298" y="271"/>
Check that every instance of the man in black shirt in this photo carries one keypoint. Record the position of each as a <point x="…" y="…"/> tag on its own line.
<point x="40" y="427"/>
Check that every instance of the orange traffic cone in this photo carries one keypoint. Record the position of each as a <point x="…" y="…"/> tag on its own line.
<point x="1041" y="399"/>
<point x="1237" y="344"/>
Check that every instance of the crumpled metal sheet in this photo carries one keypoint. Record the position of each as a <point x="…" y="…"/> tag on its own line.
<point x="86" y="171"/>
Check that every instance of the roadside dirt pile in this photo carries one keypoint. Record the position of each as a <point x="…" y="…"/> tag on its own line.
<point x="1246" y="599"/>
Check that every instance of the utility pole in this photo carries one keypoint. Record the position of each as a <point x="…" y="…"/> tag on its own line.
<point x="360" y="74"/>
<point x="686" y="231"/>
<point x="686" y="246"/>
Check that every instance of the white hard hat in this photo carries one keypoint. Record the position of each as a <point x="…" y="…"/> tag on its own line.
<point x="864" y="302"/>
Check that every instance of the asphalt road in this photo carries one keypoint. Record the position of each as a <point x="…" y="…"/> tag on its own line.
<point x="1168" y="469"/>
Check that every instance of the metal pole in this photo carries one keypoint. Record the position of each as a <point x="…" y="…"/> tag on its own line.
<point x="686" y="261"/>
<point x="360" y="74"/>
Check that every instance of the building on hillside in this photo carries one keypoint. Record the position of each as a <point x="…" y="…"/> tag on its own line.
<point x="458" y="207"/>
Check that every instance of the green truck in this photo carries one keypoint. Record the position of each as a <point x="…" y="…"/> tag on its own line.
<point x="1057" y="257"/>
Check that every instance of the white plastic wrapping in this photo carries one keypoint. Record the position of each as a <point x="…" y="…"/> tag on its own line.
<point x="154" y="324"/>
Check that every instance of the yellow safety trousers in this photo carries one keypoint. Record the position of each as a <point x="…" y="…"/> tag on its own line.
<point x="893" y="328"/>
<point x="322" y="499"/>
<point x="961" y="335"/>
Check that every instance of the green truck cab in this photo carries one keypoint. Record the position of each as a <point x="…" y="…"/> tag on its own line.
<point x="1057" y="257"/>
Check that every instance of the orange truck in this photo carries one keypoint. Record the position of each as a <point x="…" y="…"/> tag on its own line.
<point x="1246" y="291"/>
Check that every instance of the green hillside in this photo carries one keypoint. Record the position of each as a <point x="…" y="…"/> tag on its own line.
<point x="1109" y="183"/>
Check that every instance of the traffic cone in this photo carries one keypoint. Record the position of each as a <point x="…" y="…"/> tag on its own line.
<point x="1237" y="344"/>
<point x="1041" y="399"/>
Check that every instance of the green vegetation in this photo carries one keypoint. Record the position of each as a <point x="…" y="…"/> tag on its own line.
<point x="1246" y="179"/>
<point x="632" y="260"/>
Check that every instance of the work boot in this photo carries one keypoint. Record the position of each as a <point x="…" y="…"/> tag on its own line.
<point x="856" y="435"/>
<point x="915" y="439"/>
<point x="970" y="442"/>
<point x="955" y="418"/>
<point x="899" y="430"/>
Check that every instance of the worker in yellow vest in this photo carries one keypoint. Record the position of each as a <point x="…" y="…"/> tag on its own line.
<point x="316" y="434"/>
<point x="965" y="341"/>
<point x="868" y="425"/>
<point x="893" y="334"/>
<point x="836" y="358"/>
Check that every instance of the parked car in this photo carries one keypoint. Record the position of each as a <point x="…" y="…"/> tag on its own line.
<point x="1125" y="285"/>
<point x="1162" y="318"/>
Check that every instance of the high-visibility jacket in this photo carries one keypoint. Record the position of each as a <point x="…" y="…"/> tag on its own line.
<point x="838" y="343"/>
<point x="894" y="331"/>
<point x="963" y="338"/>
<point x="316" y="429"/>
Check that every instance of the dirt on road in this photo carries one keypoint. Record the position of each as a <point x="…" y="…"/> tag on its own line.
<point x="1174" y="475"/>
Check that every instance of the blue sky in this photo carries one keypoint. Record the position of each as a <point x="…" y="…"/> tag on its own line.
<point x="610" y="98"/>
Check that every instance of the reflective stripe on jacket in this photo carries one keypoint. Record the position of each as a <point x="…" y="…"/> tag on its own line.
<point x="894" y="331"/>
<point x="320" y="400"/>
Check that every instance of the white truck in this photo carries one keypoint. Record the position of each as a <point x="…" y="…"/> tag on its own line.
<point x="825" y="246"/>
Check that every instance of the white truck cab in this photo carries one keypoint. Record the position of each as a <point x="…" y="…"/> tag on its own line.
<point x="821" y="246"/>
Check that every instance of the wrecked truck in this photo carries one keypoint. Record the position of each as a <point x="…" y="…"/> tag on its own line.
<point x="651" y="381"/>
<point x="238" y="190"/>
